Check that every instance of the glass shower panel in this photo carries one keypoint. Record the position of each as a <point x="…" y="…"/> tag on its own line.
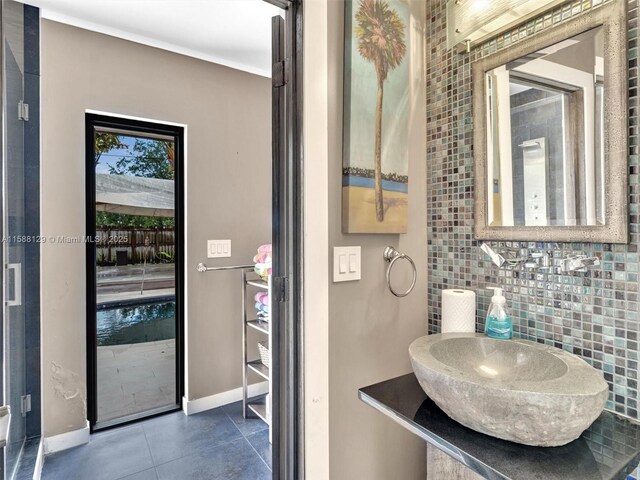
<point x="13" y="223"/>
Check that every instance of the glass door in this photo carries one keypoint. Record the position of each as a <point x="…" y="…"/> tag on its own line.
<point x="13" y="230"/>
<point x="133" y="212"/>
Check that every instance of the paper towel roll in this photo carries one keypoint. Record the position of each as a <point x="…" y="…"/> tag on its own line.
<point x="458" y="311"/>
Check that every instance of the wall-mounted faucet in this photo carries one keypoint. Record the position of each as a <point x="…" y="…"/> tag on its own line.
<point x="578" y="263"/>
<point x="539" y="260"/>
<point x="495" y="257"/>
<point x="512" y="257"/>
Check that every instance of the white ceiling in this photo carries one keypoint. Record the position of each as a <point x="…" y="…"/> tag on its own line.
<point x="235" y="33"/>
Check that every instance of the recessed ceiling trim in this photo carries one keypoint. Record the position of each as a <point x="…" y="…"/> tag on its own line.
<point x="151" y="42"/>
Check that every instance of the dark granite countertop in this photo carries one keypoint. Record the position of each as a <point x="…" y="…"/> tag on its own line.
<point x="609" y="449"/>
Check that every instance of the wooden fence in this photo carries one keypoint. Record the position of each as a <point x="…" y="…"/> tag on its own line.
<point x="112" y="243"/>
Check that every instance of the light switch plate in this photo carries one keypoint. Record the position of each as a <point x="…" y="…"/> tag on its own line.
<point x="346" y="264"/>
<point x="218" y="248"/>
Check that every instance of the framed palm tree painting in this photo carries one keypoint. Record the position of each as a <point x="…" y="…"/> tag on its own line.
<point x="376" y="117"/>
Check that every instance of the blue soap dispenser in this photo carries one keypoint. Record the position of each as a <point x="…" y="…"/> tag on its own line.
<point x="499" y="323"/>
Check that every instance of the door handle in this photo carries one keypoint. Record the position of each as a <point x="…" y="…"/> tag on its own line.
<point x="16" y="298"/>
<point x="5" y="423"/>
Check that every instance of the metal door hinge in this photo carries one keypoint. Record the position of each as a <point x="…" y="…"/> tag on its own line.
<point x="25" y="404"/>
<point x="280" y="287"/>
<point x="23" y="111"/>
<point x="280" y="73"/>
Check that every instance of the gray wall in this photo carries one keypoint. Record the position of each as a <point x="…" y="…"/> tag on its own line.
<point x="592" y="314"/>
<point x="369" y="329"/>
<point x="227" y="113"/>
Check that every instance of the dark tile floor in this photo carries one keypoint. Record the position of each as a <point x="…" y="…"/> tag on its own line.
<point x="218" y="444"/>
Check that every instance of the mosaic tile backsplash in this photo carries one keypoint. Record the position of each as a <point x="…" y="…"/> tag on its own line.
<point x="593" y="314"/>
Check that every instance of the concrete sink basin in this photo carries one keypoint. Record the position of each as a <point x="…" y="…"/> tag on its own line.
<point x="516" y="390"/>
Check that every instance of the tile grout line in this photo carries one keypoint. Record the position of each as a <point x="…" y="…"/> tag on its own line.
<point x="236" y="425"/>
<point x="146" y="440"/>
<point x="219" y="444"/>
<point x="257" y="453"/>
<point x="246" y="439"/>
<point x="193" y="453"/>
<point x="153" y="461"/>
<point x="144" y="434"/>
<point x="136" y="473"/>
<point x="232" y="421"/>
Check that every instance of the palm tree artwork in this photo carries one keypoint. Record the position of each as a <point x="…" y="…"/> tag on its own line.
<point x="380" y="34"/>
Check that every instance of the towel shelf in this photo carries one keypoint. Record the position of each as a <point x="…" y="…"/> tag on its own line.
<point x="260" y="368"/>
<point x="260" y="409"/>
<point x="257" y="407"/>
<point x="259" y="325"/>
<point x="259" y="284"/>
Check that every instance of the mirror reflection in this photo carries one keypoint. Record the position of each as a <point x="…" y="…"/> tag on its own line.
<point x="545" y="148"/>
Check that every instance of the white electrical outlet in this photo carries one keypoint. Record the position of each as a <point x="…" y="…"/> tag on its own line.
<point x="218" y="248"/>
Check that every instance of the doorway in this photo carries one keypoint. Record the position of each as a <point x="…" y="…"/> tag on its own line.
<point x="134" y="269"/>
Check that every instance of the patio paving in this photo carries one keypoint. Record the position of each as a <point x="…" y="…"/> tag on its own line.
<point x="135" y="295"/>
<point x="136" y="377"/>
<point x="126" y="282"/>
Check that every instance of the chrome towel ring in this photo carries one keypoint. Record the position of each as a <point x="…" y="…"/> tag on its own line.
<point x="390" y="256"/>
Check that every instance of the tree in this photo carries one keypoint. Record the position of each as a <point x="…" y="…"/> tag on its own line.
<point x="380" y="34"/>
<point x="150" y="159"/>
<point x="105" y="142"/>
<point x="122" y="220"/>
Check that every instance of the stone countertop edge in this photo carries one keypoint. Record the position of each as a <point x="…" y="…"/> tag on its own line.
<point x="403" y="401"/>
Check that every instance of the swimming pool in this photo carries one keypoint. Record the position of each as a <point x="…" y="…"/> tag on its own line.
<point x="125" y="324"/>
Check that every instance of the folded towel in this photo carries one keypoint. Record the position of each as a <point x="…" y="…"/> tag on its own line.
<point x="262" y="258"/>
<point x="263" y="270"/>
<point x="260" y="307"/>
<point x="266" y="248"/>
<point x="262" y="297"/>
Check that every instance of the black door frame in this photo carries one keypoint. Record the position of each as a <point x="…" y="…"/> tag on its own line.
<point x="288" y="358"/>
<point x="135" y="126"/>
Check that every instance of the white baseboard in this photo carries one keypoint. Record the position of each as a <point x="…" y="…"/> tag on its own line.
<point x="66" y="440"/>
<point x="218" y="400"/>
<point x="37" y="471"/>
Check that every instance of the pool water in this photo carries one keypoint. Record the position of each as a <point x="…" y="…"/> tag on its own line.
<point x="150" y="322"/>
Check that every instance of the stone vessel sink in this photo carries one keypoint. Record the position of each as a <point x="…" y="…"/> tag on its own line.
<point x="516" y="390"/>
